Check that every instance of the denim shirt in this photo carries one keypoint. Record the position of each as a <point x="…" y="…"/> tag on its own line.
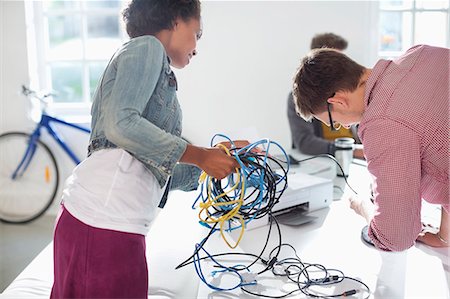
<point x="135" y="108"/>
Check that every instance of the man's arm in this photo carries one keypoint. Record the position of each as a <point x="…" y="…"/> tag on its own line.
<point x="393" y="155"/>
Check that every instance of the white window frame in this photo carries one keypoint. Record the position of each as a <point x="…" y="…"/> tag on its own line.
<point x="41" y="76"/>
<point x="413" y="10"/>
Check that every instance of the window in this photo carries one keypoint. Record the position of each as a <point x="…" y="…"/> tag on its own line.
<point x="404" y="23"/>
<point x="74" y="42"/>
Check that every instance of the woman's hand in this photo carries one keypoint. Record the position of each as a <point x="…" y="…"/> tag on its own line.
<point x="214" y="161"/>
<point x="238" y="144"/>
<point x="217" y="163"/>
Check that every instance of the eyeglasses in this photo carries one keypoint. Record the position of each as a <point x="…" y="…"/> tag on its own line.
<point x="333" y="125"/>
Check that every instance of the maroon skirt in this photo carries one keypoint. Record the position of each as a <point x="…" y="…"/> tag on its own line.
<point x="91" y="262"/>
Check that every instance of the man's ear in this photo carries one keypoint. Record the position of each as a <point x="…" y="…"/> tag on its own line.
<point x="339" y="99"/>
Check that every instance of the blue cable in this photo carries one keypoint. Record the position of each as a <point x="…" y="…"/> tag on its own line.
<point x="198" y="270"/>
<point x="254" y="179"/>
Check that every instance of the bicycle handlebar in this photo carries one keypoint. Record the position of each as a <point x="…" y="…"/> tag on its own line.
<point x="29" y="92"/>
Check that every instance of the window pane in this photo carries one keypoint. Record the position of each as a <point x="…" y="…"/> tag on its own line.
<point x="104" y="4"/>
<point x="427" y="20"/>
<point x="64" y="37"/>
<point x="67" y="82"/>
<point x="95" y="72"/>
<point x="396" y="4"/>
<point x="103" y="26"/>
<point x="395" y="31"/>
<point x="101" y="48"/>
<point x="60" y="4"/>
<point x="432" y="4"/>
<point x="103" y="36"/>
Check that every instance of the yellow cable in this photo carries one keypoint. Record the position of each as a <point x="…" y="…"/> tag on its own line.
<point x="213" y="202"/>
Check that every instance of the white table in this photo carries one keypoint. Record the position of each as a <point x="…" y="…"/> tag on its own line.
<point x="333" y="240"/>
<point x="171" y="240"/>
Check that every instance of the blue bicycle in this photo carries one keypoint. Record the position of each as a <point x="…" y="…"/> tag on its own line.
<point x="29" y="175"/>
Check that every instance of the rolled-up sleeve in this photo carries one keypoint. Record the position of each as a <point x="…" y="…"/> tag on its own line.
<point x="185" y="177"/>
<point x="394" y="161"/>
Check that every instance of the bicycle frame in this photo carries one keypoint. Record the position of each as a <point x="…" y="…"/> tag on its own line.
<point x="45" y="122"/>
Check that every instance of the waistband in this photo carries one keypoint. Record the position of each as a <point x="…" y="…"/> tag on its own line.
<point x="100" y="143"/>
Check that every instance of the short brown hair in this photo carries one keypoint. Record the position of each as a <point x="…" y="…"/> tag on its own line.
<point x="329" y="40"/>
<point x="148" y="17"/>
<point x="322" y="73"/>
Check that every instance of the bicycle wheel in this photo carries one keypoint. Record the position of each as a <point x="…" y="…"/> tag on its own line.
<point x="31" y="193"/>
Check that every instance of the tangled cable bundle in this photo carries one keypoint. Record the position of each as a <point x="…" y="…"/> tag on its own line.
<point x="231" y="203"/>
<point x="249" y="193"/>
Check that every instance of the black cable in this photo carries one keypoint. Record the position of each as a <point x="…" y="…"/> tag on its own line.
<point x="257" y="257"/>
<point x="295" y="270"/>
<point x="264" y="200"/>
<point x="335" y="161"/>
<point x="186" y="262"/>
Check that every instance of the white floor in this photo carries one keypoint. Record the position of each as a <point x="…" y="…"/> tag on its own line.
<point x="20" y="244"/>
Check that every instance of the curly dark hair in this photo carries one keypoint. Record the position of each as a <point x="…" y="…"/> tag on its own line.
<point x="329" y="40"/>
<point x="322" y="73"/>
<point x="148" y="17"/>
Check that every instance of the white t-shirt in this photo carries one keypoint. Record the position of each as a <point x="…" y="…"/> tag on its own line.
<point x="113" y="190"/>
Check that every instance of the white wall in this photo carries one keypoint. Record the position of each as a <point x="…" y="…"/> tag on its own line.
<point x="241" y="77"/>
<point x="14" y="65"/>
<point x="248" y="55"/>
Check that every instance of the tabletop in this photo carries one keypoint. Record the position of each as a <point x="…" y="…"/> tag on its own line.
<point x="334" y="241"/>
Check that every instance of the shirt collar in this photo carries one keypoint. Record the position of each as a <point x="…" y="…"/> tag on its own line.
<point x="376" y="73"/>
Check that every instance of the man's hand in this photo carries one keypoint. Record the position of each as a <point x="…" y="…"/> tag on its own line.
<point x="358" y="154"/>
<point x="362" y="207"/>
<point x="433" y="237"/>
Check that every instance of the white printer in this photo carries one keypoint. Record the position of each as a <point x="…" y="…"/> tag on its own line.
<point x="305" y="193"/>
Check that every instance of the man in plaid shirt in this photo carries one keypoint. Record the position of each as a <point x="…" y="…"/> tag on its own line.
<point x="402" y="107"/>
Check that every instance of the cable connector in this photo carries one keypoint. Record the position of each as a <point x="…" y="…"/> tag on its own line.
<point x="349" y="293"/>
<point x="272" y="262"/>
<point x="326" y="279"/>
<point x="331" y="278"/>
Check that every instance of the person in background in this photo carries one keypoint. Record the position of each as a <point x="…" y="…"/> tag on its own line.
<point x="401" y="106"/>
<point x="136" y="154"/>
<point x="313" y="138"/>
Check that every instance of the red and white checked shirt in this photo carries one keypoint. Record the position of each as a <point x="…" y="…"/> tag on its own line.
<point x="405" y="132"/>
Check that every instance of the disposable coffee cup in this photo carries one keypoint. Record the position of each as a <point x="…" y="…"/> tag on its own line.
<point x="344" y="154"/>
